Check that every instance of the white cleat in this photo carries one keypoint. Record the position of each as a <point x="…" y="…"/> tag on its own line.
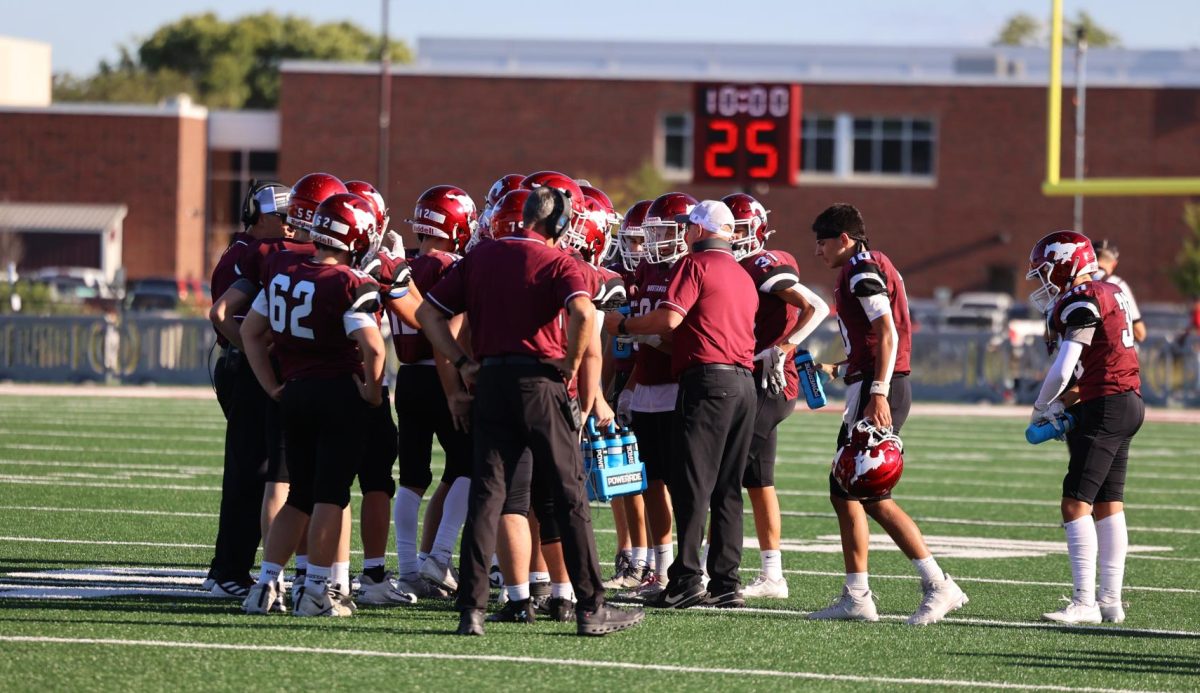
<point x="321" y="603"/>
<point x="1112" y="612"/>
<point x="941" y="597"/>
<point x="650" y="588"/>
<point x="441" y="574"/>
<point x="385" y="593"/>
<point x="264" y="597"/>
<point x="849" y="607"/>
<point x="764" y="587"/>
<point x="1075" y="612"/>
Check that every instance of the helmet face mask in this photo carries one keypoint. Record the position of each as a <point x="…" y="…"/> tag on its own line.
<point x="1043" y="298"/>
<point x="631" y="236"/>
<point x="665" y="241"/>
<point x="750" y="225"/>
<point x="871" y="462"/>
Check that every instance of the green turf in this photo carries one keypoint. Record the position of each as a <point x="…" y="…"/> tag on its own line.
<point x="63" y="462"/>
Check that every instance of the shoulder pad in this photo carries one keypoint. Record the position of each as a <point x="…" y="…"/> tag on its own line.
<point x="1079" y="310"/>
<point x="866" y="279"/>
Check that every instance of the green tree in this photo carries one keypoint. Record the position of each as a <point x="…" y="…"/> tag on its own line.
<point x="1097" y="36"/>
<point x="1023" y="29"/>
<point x="645" y="183"/>
<point x="223" y="64"/>
<point x="1186" y="272"/>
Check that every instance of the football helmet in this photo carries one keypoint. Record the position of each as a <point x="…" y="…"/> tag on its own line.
<point x="506" y="184"/>
<point x="565" y="184"/>
<point x="664" y="238"/>
<point x="368" y="192"/>
<point x="446" y="211"/>
<point x="307" y="193"/>
<point x="630" y="236"/>
<point x="871" y="463"/>
<point x="749" y="224"/>
<point x="593" y="236"/>
<point x="347" y="222"/>
<point x="508" y="214"/>
<point x="1056" y="260"/>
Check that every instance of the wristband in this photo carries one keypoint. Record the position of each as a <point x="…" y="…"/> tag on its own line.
<point x="461" y="360"/>
<point x="878" y="388"/>
<point x="621" y="327"/>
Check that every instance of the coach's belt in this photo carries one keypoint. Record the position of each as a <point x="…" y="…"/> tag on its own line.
<point x="513" y="360"/>
<point x="709" y="367"/>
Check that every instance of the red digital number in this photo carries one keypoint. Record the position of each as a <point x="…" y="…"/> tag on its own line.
<point x="768" y="151"/>
<point x="715" y="149"/>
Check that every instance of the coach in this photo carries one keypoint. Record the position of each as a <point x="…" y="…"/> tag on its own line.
<point x="709" y="304"/>
<point x="514" y="291"/>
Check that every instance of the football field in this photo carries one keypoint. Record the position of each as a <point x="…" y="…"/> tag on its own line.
<point x="108" y="512"/>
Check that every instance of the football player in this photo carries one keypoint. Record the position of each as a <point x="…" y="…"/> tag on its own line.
<point x="1095" y="328"/>
<point x="317" y="314"/>
<point x="787" y="313"/>
<point x="1106" y="263"/>
<point x="872" y="309"/>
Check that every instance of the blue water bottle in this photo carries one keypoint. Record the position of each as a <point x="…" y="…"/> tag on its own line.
<point x="629" y="443"/>
<point x="595" y="446"/>
<point x="810" y="379"/>
<point x="622" y="349"/>
<point x="1041" y="432"/>
<point x="614" y="448"/>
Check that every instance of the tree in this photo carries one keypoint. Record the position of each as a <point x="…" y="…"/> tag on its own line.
<point x="1186" y="272"/>
<point x="1023" y="29"/>
<point x="232" y="64"/>
<point x="1097" y="36"/>
<point x="646" y="183"/>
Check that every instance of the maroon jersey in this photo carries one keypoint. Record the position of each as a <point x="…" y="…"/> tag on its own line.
<point x="1097" y="314"/>
<point x="653" y="365"/>
<point x="625" y="365"/>
<point x="773" y="271"/>
<point x="226" y="273"/>
<point x="313" y="309"/>
<point x="717" y="301"/>
<point x="251" y="267"/>
<point x="871" y="273"/>
<point x="513" y="291"/>
<point x="392" y="274"/>
<point x="427" y="270"/>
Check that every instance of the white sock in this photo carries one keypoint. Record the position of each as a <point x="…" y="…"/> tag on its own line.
<point x="1081" y="547"/>
<point x="857" y="583"/>
<point x="317" y="579"/>
<point x="664" y="556"/>
<point x="639" y="554"/>
<point x="404" y="515"/>
<point x="341" y="576"/>
<point x="302" y="562"/>
<point x="704" y="560"/>
<point x="562" y="590"/>
<point x="928" y="569"/>
<point x="650" y="560"/>
<point x="421" y="558"/>
<point x="377" y="562"/>
<point x="1113" y="539"/>
<point x="454" y="514"/>
<point x="270" y="572"/>
<point x="517" y="592"/>
<point x="539" y="576"/>
<point x="772" y="564"/>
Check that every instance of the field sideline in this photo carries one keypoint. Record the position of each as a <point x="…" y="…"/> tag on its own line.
<point x="109" y="510"/>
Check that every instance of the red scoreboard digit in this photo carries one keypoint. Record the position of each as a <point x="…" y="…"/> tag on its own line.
<point x="746" y="133"/>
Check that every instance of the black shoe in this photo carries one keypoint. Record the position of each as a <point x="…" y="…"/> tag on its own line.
<point x="681" y="598"/>
<point x="470" y="622"/>
<point x="725" y="600"/>
<point x="607" y="619"/>
<point x="495" y="577"/>
<point x="559" y="609"/>
<point x="514" y="612"/>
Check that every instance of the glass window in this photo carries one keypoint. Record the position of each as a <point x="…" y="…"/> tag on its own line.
<point x="817" y="138"/>
<point x="677" y="142"/>
<point x="894" y="146"/>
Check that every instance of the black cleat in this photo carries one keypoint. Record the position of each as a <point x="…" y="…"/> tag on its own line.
<point x="514" y="612"/>
<point x="559" y="609"/>
<point x="679" y="598"/>
<point x="725" y="600"/>
<point x="470" y="622"/>
<point x="607" y="619"/>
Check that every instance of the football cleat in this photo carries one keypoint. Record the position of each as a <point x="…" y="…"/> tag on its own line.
<point x="515" y="611"/>
<point x="559" y="609"/>
<point x="232" y="588"/>
<point x="630" y="577"/>
<point x="848" y="607"/>
<point x="208" y="584"/>
<point x="725" y="600"/>
<point x="672" y="598"/>
<point x="1075" y="612"/>
<point x="1112" y="612"/>
<point x="763" y="587"/>
<point x="650" y="588"/>
<point x="297" y="585"/>
<point x="621" y="564"/>
<point x="470" y="622"/>
<point x="321" y="603"/>
<point x="940" y="598"/>
<point x="386" y="592"/>
<point x="495" y="577"/>
<point x="263" y="598"/>
<point x="607" y="619"/>
<point x="441" y="574"/>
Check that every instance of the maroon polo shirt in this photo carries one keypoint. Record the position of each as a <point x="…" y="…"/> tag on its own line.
<point x="717" y="300"/>
<point x="226" y="273"/>
<point x="513" y="290"/>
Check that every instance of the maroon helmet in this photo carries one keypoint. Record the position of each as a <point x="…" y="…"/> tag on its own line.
<point x="1056" y="260"/>
<point x="347" y="222"/>
<point x="631" y="237"/>
<point x="870" y="465"/>
<point x="446" y="211"/>
<point x="307" y="193"/>
<point x="508" y="214"/>
<point x="368" y="192"/>
<point x="749" y="224"/>
<point x="503" y="186"/>
<point x="664" y="238"/>
<point x="592" y="237"/>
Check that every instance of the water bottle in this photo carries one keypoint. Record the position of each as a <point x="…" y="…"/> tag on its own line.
<point x="622" y="349"/>
<point x="1045" y="430"/>
<point x="810" y="379"/>
<point x="629" y="443"/>
<point x="595" y="452"/>
<point x="614" y="448"/>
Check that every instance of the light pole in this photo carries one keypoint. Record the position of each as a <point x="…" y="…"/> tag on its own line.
<point x="385" y="103"/>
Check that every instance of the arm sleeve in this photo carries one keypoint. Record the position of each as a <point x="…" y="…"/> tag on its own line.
<point x="1060" y="372"/>
<point x="684" y="287"/>
<point x="260" y="304"/>
<point x="821" y="308"/>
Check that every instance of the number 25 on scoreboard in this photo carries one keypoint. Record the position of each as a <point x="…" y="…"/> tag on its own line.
<point x="747" y="133"/>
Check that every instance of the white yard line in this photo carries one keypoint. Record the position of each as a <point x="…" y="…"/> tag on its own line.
<point x="129" y="391"/>
<point x="994" y="581"/>
<point x="995" y="501"/>
<point x="105" y="511"/>
<point x="217" y="441"/>
<point x="214" y="454"/>
<point x="546" y="661"/>
<point x="983" y="523"/>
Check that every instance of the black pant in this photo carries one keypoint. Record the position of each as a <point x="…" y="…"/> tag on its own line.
<point x="323" y="424"/>
<point x="1099" y="446"/>
<point x="422" y="413"/>
<point x="518" y="407"/>
<point x="714" y="422"/>
<point x="771" y="410"/>
<point x="244" y="475"/>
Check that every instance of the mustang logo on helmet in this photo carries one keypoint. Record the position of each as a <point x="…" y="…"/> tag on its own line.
<point x="1061" y="252"/>
<point x="364" y="219"/>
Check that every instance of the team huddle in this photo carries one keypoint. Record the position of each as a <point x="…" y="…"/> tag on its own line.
<point x="520" y="325"/>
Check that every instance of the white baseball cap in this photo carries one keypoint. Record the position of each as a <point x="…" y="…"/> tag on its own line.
<point x="712" y="216"/>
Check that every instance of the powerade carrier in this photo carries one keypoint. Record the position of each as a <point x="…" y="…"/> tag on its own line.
<point x="611" y="463"/>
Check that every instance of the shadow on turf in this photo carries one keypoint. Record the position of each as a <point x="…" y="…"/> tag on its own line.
<point x="1100" y="631"/>
<point x="1120" y="662"/>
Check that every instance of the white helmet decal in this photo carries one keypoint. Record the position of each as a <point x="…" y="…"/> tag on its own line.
<point x="1061" y="252"/>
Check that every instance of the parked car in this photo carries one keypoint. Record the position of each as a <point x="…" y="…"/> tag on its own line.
<point x="978" y="309"/>
<point x="166" y="294"/>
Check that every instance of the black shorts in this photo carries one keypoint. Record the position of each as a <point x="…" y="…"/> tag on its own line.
<point x="422" y="413"/>
<point x="223" y="382"/>
<point x="519" y="484"/>
<point x="654" y="431"/>
<point x="277" y="468"/>
<point x="323" y="423"/>
<point x="541" y="504"/>
<point x="900" y="401"/>
<point x="375" y="472"/>
<point x="771" y="411"/>
<point x="1099" y="446"/>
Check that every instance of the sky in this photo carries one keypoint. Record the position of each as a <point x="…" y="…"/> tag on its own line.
<point x="82" y="32"/>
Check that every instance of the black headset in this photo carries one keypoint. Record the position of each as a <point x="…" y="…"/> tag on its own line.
<point x="560" y="217"/>
<point x="251" y="208"/>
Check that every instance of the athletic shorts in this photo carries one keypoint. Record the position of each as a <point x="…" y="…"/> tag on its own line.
<point x="375" y="472"/>
<point x="323" y="423"/>
<point x="771" y="410"/>
<point x="900" y="400"/>
<point x="654" y="431"/>
<point x="422" y="413"/>
<point x="1099" y="447"/>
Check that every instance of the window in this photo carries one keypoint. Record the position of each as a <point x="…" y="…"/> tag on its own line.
<point x="817" y="139"/>
<point x="893" y="146"/>
<point x="675" y="152"/>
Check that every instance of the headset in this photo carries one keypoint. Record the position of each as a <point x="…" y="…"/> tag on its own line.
<point x="262" y="198"/>
<point x="560" y="217"/>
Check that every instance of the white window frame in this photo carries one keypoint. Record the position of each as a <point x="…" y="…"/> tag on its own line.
<point x="674" y="173"/>
<point x="843" y="157"/>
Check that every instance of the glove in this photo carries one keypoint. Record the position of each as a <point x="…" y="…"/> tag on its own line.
<point x="624" y="407"/>
<point x="1052" y="413"/>
<point x="651" y="339"/>
<point x="392" y="241"/>
<point x="773" y="362"/>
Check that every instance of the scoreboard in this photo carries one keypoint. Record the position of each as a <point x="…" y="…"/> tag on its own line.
<point x="746" y="133"/>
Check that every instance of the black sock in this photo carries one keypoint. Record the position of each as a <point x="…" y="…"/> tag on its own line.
<point x="378" y="574"/>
